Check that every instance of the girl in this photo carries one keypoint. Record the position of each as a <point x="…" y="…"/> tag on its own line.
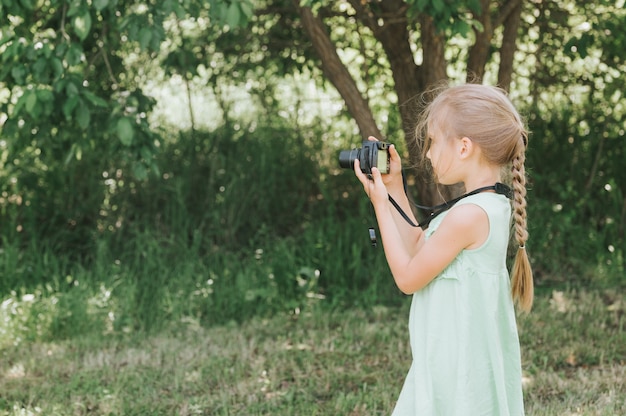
<point x="462" y="329"/>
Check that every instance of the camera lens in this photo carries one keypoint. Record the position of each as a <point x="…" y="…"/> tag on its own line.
<point x="347" y="157"/>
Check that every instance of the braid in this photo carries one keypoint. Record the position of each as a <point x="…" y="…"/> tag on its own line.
<point x="519" y="201"/>
<point x="522" y="277"/>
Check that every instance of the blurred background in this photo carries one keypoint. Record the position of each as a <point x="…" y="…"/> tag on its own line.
<point x="176" y="161"/>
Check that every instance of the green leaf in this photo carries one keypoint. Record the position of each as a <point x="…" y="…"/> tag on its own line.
<point x="223" y="11"/>
<point x="74" y="54"/>
<point x="145" y="36"/>
<point x="474" y="5"/>
<point x="233" y="15"/>
<point x="31" y="104"/>
<point x="139" y="171"/>
<point x="125" y="131"/>
<point x="59" y="85"/>
<point x="94" y="99"/>
<point x="247" y="8"/>
<point x="44" y="95"/>
<point x="46" y="50"/>
<point x="462" y="28"/>
<point x="71" y="89"/>
<point x="11" y="51"/>
<point x="155" y="168"/>
<point x="69" y="105"/>
<point x="57" y="67"/>
<point x="146" y="153"/>
<point x="83" y="116"/>
<point x="75" y="8"/>
<point x="27" y="4"/>
<point x="82" y="25"/>
<point x="438" y="6"/>
<point x="40" y="69"/>
<point x="18" y="72"/>
<point x="100" y="4"/>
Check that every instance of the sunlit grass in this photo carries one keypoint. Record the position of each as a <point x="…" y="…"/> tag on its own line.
<point x="320" y="361"/>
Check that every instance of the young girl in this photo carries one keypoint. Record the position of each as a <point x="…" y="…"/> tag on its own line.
<point x="462" y="329"/>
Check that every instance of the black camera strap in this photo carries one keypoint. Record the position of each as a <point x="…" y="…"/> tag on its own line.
<point x="499" y="188"/>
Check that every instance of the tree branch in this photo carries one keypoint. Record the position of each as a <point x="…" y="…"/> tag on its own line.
<point x="505" y="11"/>
<point x="337" y="73"/>
<point x="479" y="52"/>
<point x="509" y="45"/>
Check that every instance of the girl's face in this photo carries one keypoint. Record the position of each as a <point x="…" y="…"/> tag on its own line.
<point x="441" y="155"/>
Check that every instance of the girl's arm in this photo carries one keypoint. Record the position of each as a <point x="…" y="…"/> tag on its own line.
<point x="465" y="226"/>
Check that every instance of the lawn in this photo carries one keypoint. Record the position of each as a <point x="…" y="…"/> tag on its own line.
<point x="314" y="362"/>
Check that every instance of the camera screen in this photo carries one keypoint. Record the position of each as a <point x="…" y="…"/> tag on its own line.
<point x="383" y="161"/>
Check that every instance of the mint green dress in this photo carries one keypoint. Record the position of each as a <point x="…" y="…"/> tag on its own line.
<point x="463" y="334"/>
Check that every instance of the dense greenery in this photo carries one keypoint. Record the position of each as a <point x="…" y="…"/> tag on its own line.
<point x="251" y="220"/>
<point x="109" y="214"/>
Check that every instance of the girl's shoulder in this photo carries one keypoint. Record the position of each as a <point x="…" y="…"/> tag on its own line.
<point x="493" y="204"/>
<point x="471" y="217"/>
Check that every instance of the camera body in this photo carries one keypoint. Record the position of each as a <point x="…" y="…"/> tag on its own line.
<point x="372" y="154"/>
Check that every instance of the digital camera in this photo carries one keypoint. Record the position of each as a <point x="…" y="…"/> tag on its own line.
<point x="372" y="154"/>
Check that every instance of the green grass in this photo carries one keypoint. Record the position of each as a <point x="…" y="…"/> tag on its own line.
<point x="319" y="361"/>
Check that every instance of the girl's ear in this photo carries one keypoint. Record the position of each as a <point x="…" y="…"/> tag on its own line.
<point x="466" y="147"/>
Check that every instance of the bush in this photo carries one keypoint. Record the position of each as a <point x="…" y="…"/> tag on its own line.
<point x="577" y="198"/>
<point x="248" y="221"/>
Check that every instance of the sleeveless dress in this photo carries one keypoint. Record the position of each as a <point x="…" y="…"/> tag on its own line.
<point x="463" y="333"/>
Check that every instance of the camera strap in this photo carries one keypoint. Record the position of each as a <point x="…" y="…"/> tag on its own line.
<point x="499" y="188"/>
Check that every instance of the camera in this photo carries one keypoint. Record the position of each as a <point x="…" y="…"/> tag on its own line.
<point x="372" y="154"/>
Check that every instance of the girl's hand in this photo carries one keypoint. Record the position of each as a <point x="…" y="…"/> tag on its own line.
<point x="394" y="177"/>
<point x="373" y="184"/>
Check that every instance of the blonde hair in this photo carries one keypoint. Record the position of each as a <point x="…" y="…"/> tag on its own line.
<point x="486" y="115"/>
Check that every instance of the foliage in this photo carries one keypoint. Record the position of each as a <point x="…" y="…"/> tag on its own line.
<point x="451" y="16"/>
<point x="207" y="238"/>
<point x="71" y="106"/>
<point x="577" y="146"/>
<point x="254" y="217"/>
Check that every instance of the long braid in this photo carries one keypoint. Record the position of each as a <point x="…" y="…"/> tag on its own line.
<point x="522" y="275"/>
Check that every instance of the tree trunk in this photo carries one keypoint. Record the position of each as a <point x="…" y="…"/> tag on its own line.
<point x="394" y="38"/>
<point x="390" y="26"/>
<point x="434" y="65"/>
<point x="509" y="46"/>
<point x="479" y="52"/>
<point x="337" y="73"/>
<point x="507" y="15"/>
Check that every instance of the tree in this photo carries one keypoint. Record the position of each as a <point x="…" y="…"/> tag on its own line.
<point x="70" y="95"/>
<point x="66" y="73"/>
<point x="417" y="43"/>
<point x="70" y="69"/>
<point x="404" y="29"/>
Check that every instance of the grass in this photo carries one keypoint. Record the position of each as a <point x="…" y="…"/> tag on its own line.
<point x="318" y="361"/>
